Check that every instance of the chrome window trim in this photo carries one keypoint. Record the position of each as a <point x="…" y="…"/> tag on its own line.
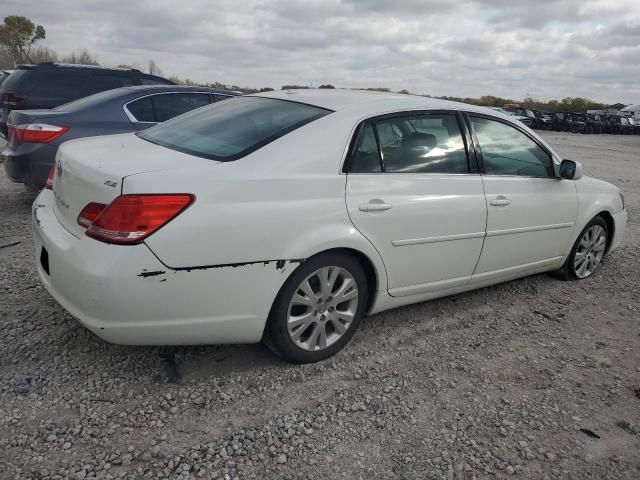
<point x="133" y="119"/>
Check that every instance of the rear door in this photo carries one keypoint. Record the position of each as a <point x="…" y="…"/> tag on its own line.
<point x="531" y="212"/>
<point x="413" y="190"/>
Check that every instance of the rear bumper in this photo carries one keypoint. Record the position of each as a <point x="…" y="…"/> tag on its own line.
<point x="125" y="295"/>
<point x="29" y="165"/>
<point x="620" y="220"/>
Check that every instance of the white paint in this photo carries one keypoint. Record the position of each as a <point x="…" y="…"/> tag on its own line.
<point x="289" y="201"/>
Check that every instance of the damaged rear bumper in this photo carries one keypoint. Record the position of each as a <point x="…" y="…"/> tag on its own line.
<point x="125" y="295"/>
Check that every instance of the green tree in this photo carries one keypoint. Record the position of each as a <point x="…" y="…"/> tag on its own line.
<point x="328" y="85"/>
<point x="19" y="34"/>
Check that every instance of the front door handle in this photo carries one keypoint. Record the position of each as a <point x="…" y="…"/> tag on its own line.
<point x="500" y="201"/>
<point x="375" y="205"/>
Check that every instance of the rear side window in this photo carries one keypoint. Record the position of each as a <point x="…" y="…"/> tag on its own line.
<point x="424" y="143"/>
<point x="230" y="130"/>
<point x="101" y="82"/>
<point x="58" y="86"/>
<point x="507" y="151"/>
<point x="365" y="156"/>
<point x="142" y="110"/>
<point x="173" y="104"/>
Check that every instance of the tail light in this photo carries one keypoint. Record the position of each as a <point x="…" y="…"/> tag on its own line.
<point x="129" y="219"/>
<point x="89" y="214"/>
<point x="35" y="133"/>
<point x="52" y="173"/>
<point x="12" y="100"/>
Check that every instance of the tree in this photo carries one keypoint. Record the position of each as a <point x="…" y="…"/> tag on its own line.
<point x="153" y="68"/>
<point x="82" y="58"/>
<point x="328" y="85"/>
<point x="293" y="87"/>
<point x="43" y="55"/>
<point x="19" y="34"/>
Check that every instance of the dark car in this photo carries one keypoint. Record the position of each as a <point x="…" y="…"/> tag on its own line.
<point x="48" y="85"/>
<point x="35" y="135"/>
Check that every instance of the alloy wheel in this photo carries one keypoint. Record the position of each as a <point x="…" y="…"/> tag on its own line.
<point x="590" y="251"/>
<point x="322" y="308"/>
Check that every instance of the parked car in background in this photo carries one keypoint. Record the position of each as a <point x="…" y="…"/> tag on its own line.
<point x="290" y="215"/>
<point x="35" y="135"/>
<point x="48" y="85"/>
<point x="519" y="114"/>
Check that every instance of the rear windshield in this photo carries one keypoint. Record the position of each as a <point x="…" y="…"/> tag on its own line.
<point x="232" y="129"/>
<point x="13" y="79"/>
<point x="92" y="100"/>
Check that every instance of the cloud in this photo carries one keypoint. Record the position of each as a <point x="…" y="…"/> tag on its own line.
<point x="547" y="48"/>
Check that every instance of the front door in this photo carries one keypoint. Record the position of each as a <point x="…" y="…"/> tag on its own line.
<point x="411" y="193"/>
<point x="531" y="212"/>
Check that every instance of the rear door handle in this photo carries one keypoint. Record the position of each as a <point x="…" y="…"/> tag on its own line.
<point x="375" y="205"/>
<point x="499" y="201"/>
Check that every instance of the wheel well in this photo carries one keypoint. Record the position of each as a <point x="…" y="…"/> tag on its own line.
<point x="369" y="270"/>
<point x="611" y="227"/>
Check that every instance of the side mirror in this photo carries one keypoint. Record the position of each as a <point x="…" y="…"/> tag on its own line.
<point x="571" y="170"/>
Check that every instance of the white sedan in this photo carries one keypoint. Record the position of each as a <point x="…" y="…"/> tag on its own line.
<point x="288" y="216"/>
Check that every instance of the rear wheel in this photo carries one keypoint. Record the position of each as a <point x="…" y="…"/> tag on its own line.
<point x="318" y="309"/>
<point x="588" y="251"/>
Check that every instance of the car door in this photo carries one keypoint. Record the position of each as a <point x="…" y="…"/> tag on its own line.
<point x="413" y="192"/>
<point x="531" y="211"/>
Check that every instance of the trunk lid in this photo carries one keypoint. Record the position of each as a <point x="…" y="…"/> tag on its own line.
<point x="92" y="170"/>
<point x="26" y="117"/>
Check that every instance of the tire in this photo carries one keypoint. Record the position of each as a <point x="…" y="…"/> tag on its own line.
<point x="589" y="252"/>
<point x="321" y="316"/>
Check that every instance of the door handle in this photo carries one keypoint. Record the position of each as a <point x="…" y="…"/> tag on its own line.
<point x="500" y="201"/>
<point x="375" y="205"/>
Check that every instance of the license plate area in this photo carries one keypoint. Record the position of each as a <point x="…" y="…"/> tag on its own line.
<point x="44" y="260"/>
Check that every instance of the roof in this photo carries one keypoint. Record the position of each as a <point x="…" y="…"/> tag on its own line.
<point x="176" y="88"/>
<point x="367" y="102"/>
<point x="74" y="65"/>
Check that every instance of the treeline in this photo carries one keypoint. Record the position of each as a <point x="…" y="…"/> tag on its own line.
<point x="567" y="104"/>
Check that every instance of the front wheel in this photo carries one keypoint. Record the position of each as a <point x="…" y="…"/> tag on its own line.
<point x="318" y="309"/>
<point x="588" y="251"/>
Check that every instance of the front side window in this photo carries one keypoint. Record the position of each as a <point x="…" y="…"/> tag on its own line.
<point x="423" y="143"/>
<point x="507" y="151"/>
<point x="229" y="130"/>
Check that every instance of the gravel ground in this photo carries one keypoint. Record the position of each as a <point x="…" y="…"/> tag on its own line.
<point x="535" y="379"/>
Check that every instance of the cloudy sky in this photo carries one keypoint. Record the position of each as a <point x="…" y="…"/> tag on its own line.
<point x="510" y="48"/>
